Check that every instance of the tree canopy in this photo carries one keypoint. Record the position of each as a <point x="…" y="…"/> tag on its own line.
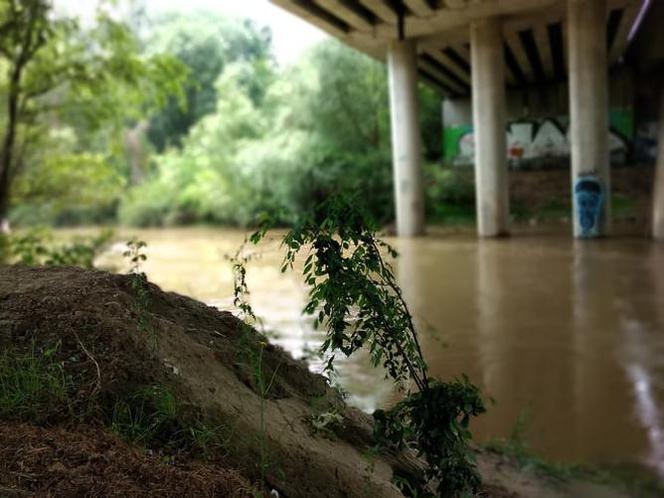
<point x="205" y="43"/>
<point x="58" y="76"/>
<point x="321" y="126"/>
<point x="187" y="119"/>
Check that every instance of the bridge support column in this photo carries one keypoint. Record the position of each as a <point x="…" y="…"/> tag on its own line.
<point x="658" y="207"/>
<point x="589" y="117"/>
<point x="406" y="139"/>
<point x="489" y="123"/>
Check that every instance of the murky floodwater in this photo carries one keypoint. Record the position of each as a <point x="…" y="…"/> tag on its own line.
<point x="569" y="333"/>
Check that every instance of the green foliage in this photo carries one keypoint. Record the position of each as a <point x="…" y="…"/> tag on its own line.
<point x="32" y="385"/>
<point x="252" y="352"/>
<point x="58" y="184"/>
<point x="152" y="417"/>
<point x="434" y="422"/>
<point x="354" y="296"/>
<point x="139" y="283"/>
<point x="145" y="414"/>
<point x="37" y="247"/>
<point x="516" y="447"/>
<point x="135" y="255"/>
<point x="63" y="77"/>
<point x="327" y="423"/>
<point x="321" y="127"/>
<point x="450" y="194"/>
<point x="205" y="43"/>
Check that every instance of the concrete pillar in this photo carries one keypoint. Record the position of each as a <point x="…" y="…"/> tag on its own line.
<point x="489" y="123"/>
<point x="658" y="207"/>
<point x="589" y="117"/>
<point x="406" y="139"/>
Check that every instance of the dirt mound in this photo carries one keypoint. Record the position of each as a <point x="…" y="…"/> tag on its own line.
<point x="112" y="338"/>
<point x="89" y="461"/>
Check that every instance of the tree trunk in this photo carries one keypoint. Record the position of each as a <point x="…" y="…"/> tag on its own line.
<point x="4" y="200"/>
<point x="7" y="153"/>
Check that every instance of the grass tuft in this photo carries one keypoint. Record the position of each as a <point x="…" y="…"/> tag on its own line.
<point x="32" y="385"/>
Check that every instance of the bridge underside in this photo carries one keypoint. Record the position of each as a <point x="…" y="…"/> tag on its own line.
<point x="535" y="34"/>
<point x="482" y="49"/>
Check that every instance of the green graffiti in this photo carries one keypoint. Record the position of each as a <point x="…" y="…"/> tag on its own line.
<point x="451" y="137"/>
<point x="622" y="121"/>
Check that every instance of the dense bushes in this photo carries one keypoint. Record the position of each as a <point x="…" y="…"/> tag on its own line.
<point x="450" y="193"/>
<point x="316" y="131"/>
<point x="252" y="137"/>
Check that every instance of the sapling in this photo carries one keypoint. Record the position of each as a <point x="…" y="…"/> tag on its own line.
<point x="355" y="297"/>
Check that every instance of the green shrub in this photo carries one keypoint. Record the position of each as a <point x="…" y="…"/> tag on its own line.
<point x="153" y="417"/>
<point x="32" y="385"/>
<point x="37" y="247"/>
<point x="145" y="415"/>
<point x="355" y="297"/>
<point x="450" y="193"/>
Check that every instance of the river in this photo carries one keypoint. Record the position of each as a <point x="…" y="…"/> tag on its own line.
<point x="566" y="336"/>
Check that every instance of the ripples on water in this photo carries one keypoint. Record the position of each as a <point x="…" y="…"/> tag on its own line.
<point x="573" y="331"/>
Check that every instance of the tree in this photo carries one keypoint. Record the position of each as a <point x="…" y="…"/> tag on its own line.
<point x="206" y="43"/>
<point x="58" y="72"/>
<point x="283" y="141"/>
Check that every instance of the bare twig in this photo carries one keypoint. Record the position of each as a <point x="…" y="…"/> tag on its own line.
<point x="92" y="358"/>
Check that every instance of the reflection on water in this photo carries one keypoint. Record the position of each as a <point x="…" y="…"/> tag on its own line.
<point x="573" y="332"/>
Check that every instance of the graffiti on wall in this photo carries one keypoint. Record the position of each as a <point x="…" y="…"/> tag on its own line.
<point x="535" y="142"/>
<point x="589" y="199"/>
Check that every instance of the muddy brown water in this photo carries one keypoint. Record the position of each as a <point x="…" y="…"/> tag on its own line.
<point x="566" y="336"/>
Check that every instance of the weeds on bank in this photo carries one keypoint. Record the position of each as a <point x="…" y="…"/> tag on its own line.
<point x="151" y="416"/>
<point x="328" y="423"/>
<point x="139" y="283"/>
<point x="252" y="352"/>
<point x="516" y="448"/>
<point x="37" y="248"/>
<point x="32" y="384"/>
<point x="633" y="479"/>
<point x="354" y="296"/>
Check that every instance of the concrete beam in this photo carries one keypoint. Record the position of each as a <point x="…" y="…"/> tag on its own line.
<point x="514" y="42"/>
<point x="352" y="14"/>
<point x="430" y="68"/>
<point x="382" y="9"/>
<point x="406" y="138"/>
<point x="421" y="8"/>
<point x="589" y="117"/>
<point x="489" y="122"/>
<point x="541" y="35"/>
<point x="446" y="61"/>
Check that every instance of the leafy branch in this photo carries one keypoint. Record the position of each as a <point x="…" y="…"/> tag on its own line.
<point x="354" y="295"/>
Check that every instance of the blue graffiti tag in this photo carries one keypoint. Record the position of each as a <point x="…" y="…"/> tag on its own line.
<point x="589" y="197"/>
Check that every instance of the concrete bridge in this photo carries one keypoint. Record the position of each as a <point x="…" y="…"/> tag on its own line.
<point x="486" y="50"/>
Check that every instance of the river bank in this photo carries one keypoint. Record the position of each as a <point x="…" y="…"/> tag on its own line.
<point x="98" y="358"/>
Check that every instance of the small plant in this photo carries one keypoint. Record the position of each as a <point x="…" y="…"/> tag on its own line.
<point x="253" y="351"/>
<point x="151" y="416"/>
<point x="516" y="447"/>
<point x="139" y="283"/>
<point x="144" y="415"/>
<point x="327" y="423"/>
<point x="135" y="255"/>
<point x="354" y="295"/>
<point x="32" y="384"/>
